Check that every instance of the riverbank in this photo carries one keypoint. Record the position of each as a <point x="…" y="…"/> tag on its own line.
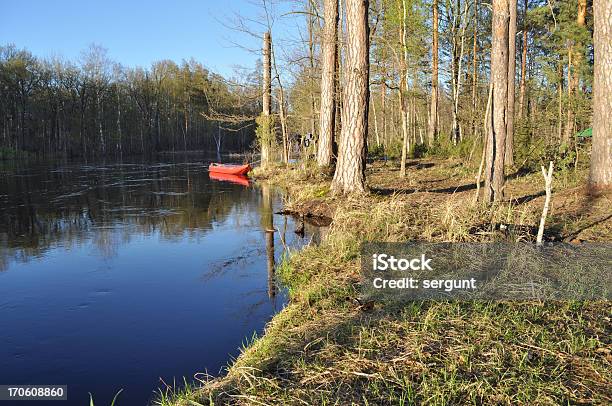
<point x="327" y="347"/>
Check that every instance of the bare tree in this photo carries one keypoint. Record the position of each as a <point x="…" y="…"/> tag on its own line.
<point x="432" y="132"/>
<point x="96" y="65"/>
<point x="350" y="170"/>
<point x="311" y="10"/>
<point x="600" y="177"/>
<point x="328" y="84"/>
<point x="458" y="28"/>
<point x="266" y="133"/>
<point x="283" y="120"/>
<point x="475" y="66"/>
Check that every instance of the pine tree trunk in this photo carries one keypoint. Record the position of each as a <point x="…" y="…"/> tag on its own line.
<point x="432" y="131"/>
<point x="403" y="90"/>
<point x="523" y="65"/>
<point x="339" y="77"/>
<point x="494" y="176"/>
<point x="475" y="67"/>
<point x="328" y="84"/>
<point x="600" y="177"/>
<point x="267" y="99"/>
<point x="509" y="159"/>
<point x="350" y="169"/>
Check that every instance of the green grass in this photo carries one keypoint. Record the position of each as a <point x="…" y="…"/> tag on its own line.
<point x="186" y="392"/>
<point x="328" y="348"/>
<point x="91" y="400"/>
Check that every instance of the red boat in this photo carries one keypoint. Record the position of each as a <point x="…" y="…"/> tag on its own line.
<point x="229" y="169"/>
<point x="224" y="177"/>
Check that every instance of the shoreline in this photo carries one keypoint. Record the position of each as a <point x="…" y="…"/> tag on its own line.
<point x="329" y="347"/>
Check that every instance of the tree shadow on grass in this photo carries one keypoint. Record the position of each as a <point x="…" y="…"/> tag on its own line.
<point x="575" y="233"/>
<point x="417" y="164"/>
<point x="447" y="190"/>
<point x="291" y="352"/>
<point x="312" y="363"/>
<point x="383" y="191"/>
<point x="420" y="165"/>
<point x="521" y="172"/>
<point x="527" y="198"/>
<point x="457" y="189"/>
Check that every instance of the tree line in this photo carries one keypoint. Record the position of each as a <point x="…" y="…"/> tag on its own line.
<point x="420" y="77"/>
<point x="96" y="107"/>
<point x="513" y="85"/>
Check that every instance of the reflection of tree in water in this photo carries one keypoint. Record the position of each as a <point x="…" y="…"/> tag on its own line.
<point x="267" y="225"/>
<point x="4" y="254"/>
<point x="72" y="205"/>
<point x="107" y="242"/>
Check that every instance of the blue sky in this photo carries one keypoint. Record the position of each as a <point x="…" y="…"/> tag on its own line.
<point x="135" y="32"/>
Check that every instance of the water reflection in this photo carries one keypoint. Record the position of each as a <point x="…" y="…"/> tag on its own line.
<point x="43" y="207"/>
<point x="267" y="225"/>
<point x="117" y="275"/>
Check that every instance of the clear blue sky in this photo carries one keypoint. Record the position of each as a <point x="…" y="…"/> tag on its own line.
<point x="135" y="32"/>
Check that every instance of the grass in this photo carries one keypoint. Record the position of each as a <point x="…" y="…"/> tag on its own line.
<point x="186" y="391"/>
<point x="328" y="348"/>
<point x="91" y="401"/>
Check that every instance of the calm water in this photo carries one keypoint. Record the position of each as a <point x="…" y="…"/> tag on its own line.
<point x="116" y="275"/>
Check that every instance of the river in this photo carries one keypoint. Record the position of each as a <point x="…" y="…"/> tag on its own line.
<point x="121" y="275"/>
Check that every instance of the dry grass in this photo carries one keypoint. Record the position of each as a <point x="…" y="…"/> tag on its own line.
<point x="328" y="348"/>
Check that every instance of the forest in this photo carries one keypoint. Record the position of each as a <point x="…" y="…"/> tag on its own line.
<point x="446" y="79"/>
<point x="94" y="107"/>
